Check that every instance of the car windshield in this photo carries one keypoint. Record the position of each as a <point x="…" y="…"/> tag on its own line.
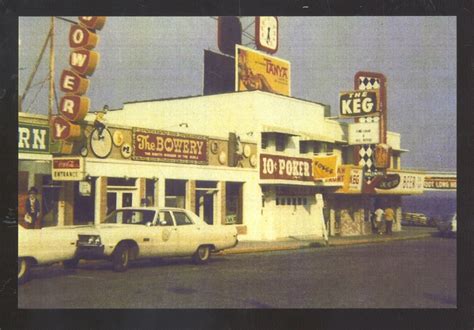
<point x="134" y="217"/>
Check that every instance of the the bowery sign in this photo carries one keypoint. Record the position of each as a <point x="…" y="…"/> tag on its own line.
<point x="167" y="146"/>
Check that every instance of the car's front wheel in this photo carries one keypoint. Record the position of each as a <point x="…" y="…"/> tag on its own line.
<point x="24" y="266"/>
<point x="121" y="258"/>
<point x="202" y="254"/>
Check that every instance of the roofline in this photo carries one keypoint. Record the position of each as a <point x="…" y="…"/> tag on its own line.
<point x="228" y="93"/>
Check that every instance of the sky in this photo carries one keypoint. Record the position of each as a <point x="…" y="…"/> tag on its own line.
<point x="148" y="58"/>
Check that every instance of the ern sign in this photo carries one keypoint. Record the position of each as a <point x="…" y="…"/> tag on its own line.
<point x="33" y="138"/>
<point x="358" y="103"/>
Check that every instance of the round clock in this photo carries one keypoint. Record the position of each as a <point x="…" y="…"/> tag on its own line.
<point x="126" y="150"/>
<point x="214" y="147"/>
<point x="222" y="157"/>
<point x="118" y="138"/>
<point x="101" y="146"/>
<point x="247" y="151"/>
<point x="84" y="151"/>
<point x="266" y="33"/>
<point x="253" y="160"/>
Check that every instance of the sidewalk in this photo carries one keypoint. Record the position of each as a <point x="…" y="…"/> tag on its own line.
<point x="302" y="242"/>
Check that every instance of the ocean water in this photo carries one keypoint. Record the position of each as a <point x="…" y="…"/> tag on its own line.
<point x="431" y="203"/>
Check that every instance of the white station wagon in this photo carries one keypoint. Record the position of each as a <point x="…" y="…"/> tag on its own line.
<point x="144" y="232"/>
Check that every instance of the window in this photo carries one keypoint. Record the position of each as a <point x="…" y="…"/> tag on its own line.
<point x="165" y="218"/>
<point x="320" y="147"/>
<point x="182" y="219"/>
<point x="264" y="141"/>
<point x="304" y="147"/>
<point x="277" y="201"/>
<point x="134" y="217"/>
<point x="280" y="142"/>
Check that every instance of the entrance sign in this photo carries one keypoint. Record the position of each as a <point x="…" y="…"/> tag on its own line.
<point x="363" y="133"/>
<point x="257" y="71"/>
<point x="166" y="146"/>
<point x="358" y="103"/>
<point x="285" y="168"/>
<point x="68" y="169"/>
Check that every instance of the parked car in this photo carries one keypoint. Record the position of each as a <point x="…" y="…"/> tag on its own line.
<point x="416" y="219"/>
<point x="43" y="247"/>
<point x="132" y="233"/>
<point x="447" y="225"/>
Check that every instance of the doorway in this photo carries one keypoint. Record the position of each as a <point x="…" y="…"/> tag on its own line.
<point x="119" y="198"/>
<point x="205" y="200"/>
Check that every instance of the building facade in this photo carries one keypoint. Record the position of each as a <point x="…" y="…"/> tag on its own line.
<point x="242" y="159"/>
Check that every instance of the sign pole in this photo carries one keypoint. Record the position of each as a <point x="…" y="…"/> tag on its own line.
<point x="51" y="69"/>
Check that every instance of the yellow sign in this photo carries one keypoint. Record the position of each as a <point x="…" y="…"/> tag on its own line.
<point x="325" y="167"/>
<point x="258" y="71"/>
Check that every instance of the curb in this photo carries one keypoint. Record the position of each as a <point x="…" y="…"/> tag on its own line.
<point x="319" y="245"/>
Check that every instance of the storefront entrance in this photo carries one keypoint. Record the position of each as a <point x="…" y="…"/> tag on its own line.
<point x="119" y="198"/>
<point x="206" y="192"/>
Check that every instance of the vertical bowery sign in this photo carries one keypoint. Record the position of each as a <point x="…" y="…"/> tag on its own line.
<point x="166" y="146"/>
<point x="285" y="168"/>
<point x="68" y="169"/>
<point x="257" y="71"/>
<point x="33" y="138"/>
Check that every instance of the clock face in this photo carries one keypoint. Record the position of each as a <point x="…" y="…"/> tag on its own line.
<point x="101" y="146"/>
<point x="267" y="33"/>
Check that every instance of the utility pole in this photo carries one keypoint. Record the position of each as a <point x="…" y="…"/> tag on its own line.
<point x="51" y="69"/>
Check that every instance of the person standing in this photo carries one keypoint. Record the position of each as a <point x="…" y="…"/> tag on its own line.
<point x="389" y="218"/>
<point x="32" y="208"/>
<point x="378" y="220"/>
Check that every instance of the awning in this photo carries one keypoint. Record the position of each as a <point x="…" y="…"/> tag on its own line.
<point x="281" y="130"/>
<point x="317" y="137"/>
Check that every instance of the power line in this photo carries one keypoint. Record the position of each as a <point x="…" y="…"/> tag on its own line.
<point x="66" y="20"/>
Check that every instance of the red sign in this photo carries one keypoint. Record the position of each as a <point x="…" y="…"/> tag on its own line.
<point x="66" y="163"/>
<point x="285" y="168"/>
<point x="92" y="22"/>
<point x="71" y="82"/>
<point x="172" y="147"/>
<point x="64" y="130"/>
<point x="80" y="37"/>
<point x="74" y="107"/>
<point x="84" y="61"/>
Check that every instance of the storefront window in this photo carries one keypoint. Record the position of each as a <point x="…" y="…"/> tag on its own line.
<point x="233" y="203"/>
<point x="175" y="192"/>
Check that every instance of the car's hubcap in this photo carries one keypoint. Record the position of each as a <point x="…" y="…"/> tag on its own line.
<point x="21" y="267"/>
<point x="124" y="257"/>
<point x="203" y="253"/>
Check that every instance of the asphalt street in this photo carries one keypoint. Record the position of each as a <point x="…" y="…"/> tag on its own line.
<point x="399" y="274"/>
